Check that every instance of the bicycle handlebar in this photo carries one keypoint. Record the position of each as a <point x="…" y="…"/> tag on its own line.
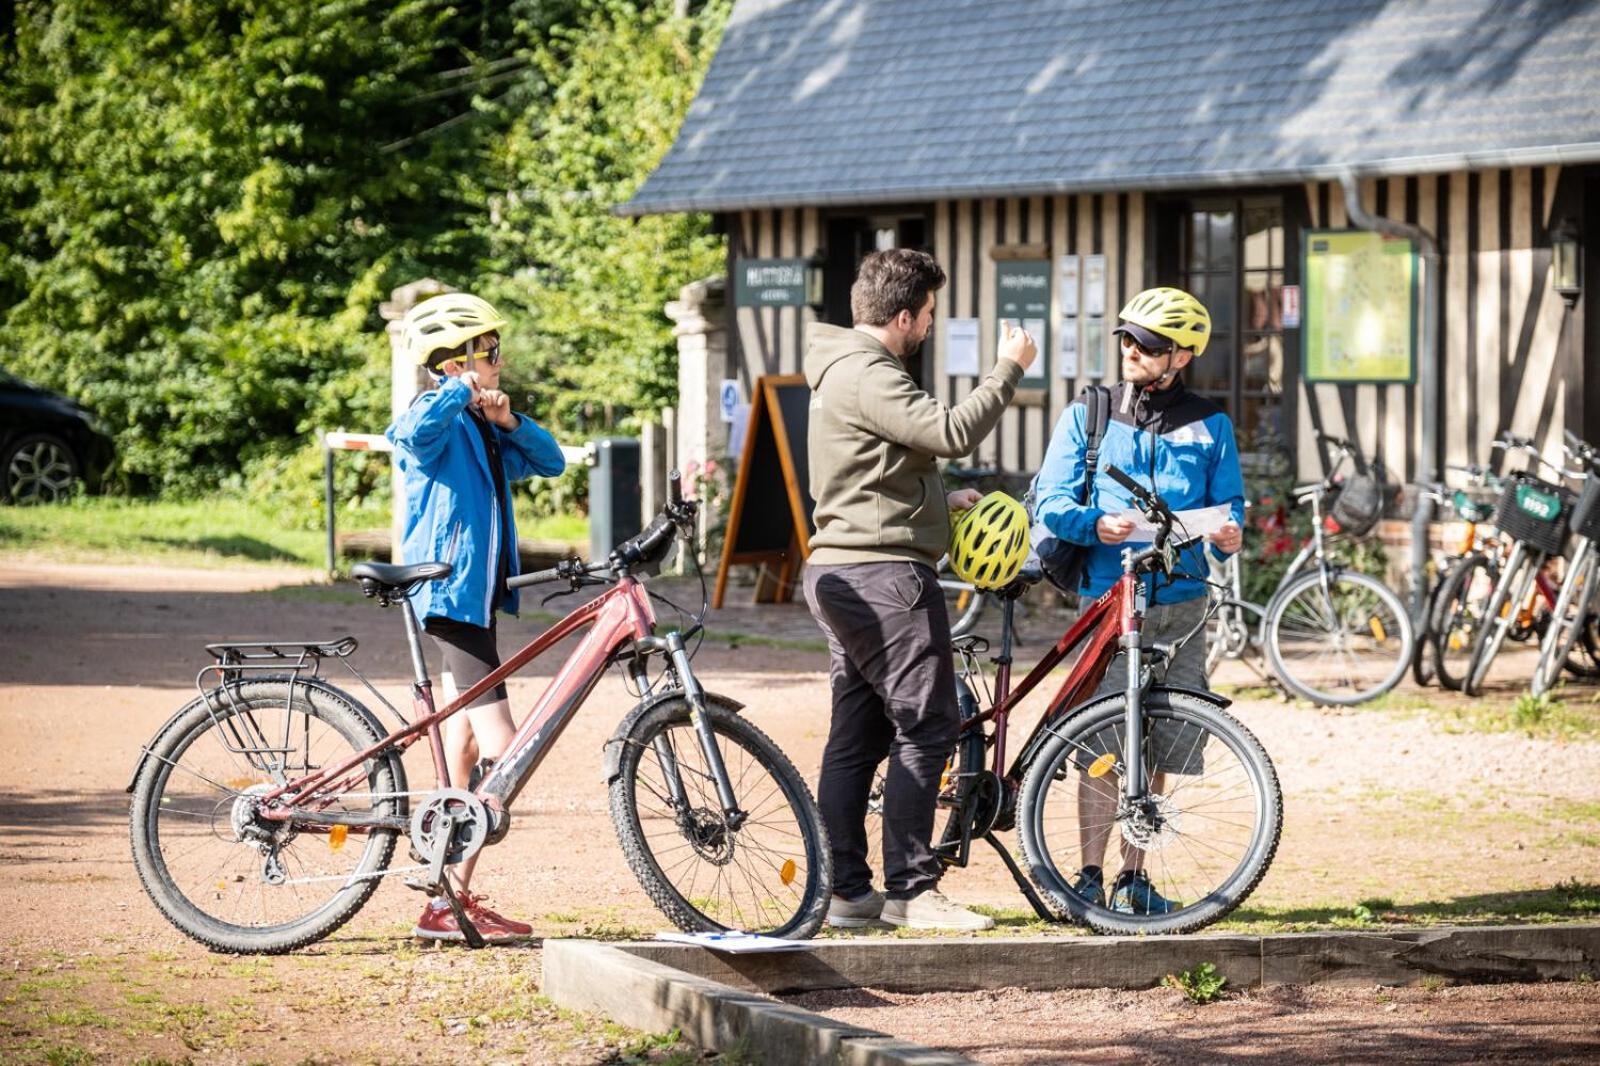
<point x="648" y="547"/>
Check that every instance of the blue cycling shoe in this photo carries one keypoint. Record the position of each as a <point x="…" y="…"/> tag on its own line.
<point x="1132" y="893"/>
<point x="1089" y="886"/>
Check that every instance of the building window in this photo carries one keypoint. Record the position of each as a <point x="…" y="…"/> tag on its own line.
<point x="1229" y="252"/>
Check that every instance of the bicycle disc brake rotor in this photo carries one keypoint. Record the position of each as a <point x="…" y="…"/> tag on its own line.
<point x="709" y="834"/>
<point x="1153" y="827"/>
<point x="468" y="831"/>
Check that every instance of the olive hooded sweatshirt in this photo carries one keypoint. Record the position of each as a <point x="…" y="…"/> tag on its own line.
<point x="873" y="438"/>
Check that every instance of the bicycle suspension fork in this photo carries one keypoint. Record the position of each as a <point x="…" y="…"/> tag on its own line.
<point x="696" y="697"/>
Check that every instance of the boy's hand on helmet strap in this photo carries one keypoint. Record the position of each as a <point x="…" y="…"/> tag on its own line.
<point x="470" y="380"/>
<point x="496" y="407"/>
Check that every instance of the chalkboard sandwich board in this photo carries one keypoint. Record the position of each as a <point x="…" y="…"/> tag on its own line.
<point x="769" y="522"/>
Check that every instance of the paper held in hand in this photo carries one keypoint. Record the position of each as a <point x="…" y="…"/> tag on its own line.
<point x="1193" y="522"/>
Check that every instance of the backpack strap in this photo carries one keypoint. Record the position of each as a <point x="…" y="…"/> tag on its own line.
<point x="1097" y="402"/>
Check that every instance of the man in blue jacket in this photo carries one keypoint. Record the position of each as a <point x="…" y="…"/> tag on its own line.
<point x="1181" y="445"/>
<point x="458" y="448"/>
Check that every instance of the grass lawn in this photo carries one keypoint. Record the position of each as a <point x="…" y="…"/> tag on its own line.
<point x="209" y="532"/>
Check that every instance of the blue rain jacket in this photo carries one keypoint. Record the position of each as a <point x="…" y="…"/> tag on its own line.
<point x="454" y="512"/>
<point x="1174" y="441"/>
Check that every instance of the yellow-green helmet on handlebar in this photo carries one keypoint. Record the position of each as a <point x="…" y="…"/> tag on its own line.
<point x="1173" y="314"/>
<point x="444" y="322"/>
<point x="989" y="543"/>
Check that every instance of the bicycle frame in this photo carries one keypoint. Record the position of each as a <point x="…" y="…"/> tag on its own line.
<point x="1116" y="617"/>
<point x="619" y="616"/>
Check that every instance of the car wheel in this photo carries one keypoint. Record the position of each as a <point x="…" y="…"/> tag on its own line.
<point x="39" y="468"/>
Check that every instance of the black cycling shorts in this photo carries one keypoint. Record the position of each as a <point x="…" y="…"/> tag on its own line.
<point x="470" y="655"/>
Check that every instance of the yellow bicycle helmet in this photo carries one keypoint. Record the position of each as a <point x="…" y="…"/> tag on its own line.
<point x="444" y="322"/>
<point x="1170" y="313"/>
<point x="989" y="543"/>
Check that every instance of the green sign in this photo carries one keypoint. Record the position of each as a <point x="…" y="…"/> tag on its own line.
<point x="771" y="282"/>
<point x="1545" y="506"/>
<point x="1022" y="298"/>
<point x="1360" y="307"/>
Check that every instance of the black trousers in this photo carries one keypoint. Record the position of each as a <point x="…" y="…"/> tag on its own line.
<point x="894" y="697"/>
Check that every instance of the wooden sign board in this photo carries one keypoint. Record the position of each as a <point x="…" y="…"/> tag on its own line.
<point x="769" y="521"/>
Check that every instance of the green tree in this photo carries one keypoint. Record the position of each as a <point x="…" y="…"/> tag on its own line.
<point x="587" y="287"/>
<point x="201" y="204"/>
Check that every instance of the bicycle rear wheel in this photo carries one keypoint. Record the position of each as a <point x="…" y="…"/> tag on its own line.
<point x="1342" y="643"/>
<point x="229" y="878"/>
<point x="1205" y="842"/>
<point x="766" y="870"/>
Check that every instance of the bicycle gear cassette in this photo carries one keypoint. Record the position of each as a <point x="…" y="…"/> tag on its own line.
<point x="469" y="826"/>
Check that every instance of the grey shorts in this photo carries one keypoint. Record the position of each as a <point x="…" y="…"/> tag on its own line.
<point x="1173" y="747"/>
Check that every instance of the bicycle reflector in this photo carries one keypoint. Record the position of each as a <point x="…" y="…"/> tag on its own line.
<point x="989" y="543"/>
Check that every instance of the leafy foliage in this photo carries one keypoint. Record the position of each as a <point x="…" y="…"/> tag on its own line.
<point x="203" y="202"/>
<point x="1203" y="984"/>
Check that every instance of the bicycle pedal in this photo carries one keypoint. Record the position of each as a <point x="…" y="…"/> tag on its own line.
<point x="428" y="888"/>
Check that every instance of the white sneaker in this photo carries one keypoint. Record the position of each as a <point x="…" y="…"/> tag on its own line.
<point x="931" y="910"/>
<point x="855" y="913"/>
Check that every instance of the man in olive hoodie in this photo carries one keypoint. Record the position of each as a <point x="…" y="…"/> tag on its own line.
<point x="883" y="521"/>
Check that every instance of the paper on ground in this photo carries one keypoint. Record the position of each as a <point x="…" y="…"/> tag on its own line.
<point x="735" y="942"/>
<point x="1192" y="522"/>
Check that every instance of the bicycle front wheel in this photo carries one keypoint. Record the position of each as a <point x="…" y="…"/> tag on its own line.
<point x="765" y="868"/>
<point x="1338" y="643"/>
<point x="1204" y="838"/>
<point x="218" y="871"/>
<point x="1459" y="614"/>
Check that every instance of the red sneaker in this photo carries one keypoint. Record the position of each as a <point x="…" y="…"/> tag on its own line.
<point x="438" y="922"/>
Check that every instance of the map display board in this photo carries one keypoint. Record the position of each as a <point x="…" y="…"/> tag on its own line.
<point x="1360" y="304"/>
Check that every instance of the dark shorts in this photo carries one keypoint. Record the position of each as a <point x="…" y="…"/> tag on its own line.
<point x="470" y="655"/>
<point x="1174" y="747"/>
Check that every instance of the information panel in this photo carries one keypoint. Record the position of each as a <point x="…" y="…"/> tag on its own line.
<point x="1022" y="298"/>
<point x="1360" y="303"/>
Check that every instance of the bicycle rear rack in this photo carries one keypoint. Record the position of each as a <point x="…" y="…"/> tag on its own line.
<point x="293" y="661"/>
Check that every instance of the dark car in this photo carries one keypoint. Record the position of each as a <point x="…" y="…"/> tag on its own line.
<point x="48" y="444"/>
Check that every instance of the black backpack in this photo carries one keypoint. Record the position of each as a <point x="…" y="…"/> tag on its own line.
<point x="1062" y="561"/>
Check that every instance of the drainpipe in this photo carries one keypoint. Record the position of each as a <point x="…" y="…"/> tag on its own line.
<point x="1427" y="366"/>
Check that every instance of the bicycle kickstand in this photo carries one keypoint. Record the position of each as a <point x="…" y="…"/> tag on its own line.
<point x="1039" y="908"/>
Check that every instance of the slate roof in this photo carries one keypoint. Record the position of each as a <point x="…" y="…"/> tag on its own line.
<point x="872" y="101"/>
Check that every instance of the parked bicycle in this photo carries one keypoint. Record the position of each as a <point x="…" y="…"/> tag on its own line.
<point x="1533" y="515"/>
<point x="1166" y="771"/>
<point x="1473" y="506"/>
<point x="266" y="811"/>
<point x="1574" y="629"/>
<point x="1329" y="634"/>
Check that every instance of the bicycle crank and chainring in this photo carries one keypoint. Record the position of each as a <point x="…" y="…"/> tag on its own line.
<point x="468" y="826"/>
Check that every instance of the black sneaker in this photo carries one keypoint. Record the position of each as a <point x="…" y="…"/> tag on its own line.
<point x="1089" y="886"/>
<point x="1134" y="894"/>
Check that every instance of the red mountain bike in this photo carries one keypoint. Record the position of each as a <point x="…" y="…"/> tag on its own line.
<point x="266" y="811"/>
<point x="1158" y="781"/>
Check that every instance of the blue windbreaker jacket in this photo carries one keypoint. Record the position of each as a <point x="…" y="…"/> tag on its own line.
<point x="1175" y="441"/>
<point x="452" y="505"/>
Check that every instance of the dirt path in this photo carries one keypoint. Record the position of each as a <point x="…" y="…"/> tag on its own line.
<point x="94" y="659"/>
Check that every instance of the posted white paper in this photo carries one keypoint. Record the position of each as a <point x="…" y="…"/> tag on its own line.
<point x="1192" y="522"/>
<point x="961" y="347"/>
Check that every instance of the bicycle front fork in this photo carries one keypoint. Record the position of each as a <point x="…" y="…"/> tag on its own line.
<point x="695" y="695"/>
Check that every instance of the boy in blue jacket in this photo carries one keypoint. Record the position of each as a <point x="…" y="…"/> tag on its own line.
<point x="458" y="449"/>
<point x="1181" y="445"/>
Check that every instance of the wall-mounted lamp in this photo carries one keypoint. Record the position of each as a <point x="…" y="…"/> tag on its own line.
<point x="1566" y="261"/>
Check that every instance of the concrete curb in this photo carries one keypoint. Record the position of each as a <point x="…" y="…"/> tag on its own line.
<point x="719" y="1001"/>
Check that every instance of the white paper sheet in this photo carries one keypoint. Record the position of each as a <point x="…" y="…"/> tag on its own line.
<point x="736" y="943"/>
<point x="1193" y="522"/>
<point x="961" y="347"/>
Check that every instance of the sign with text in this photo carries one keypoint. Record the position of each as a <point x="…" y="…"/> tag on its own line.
<point x="770" y="282"/>
<point x="1022" y="298"/>
<point x="1360" y="304"/>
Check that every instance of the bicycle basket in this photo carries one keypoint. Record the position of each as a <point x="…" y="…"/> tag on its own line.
<point x="1359" y="504"/>
<point x="1534" y="512"/>
<point x="1586" y="512"/>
